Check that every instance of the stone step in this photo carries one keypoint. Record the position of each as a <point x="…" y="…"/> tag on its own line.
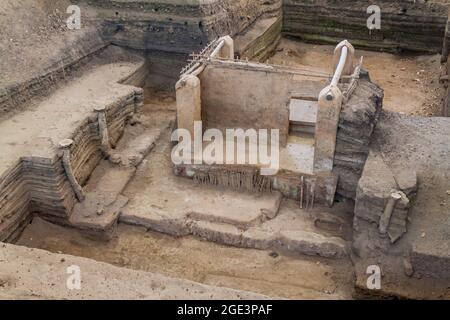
<point x="302" y="116"/>
<point x="134" y="147"/>
<point x="296" y="128"/>
<point x="287" y="231"/>
<point x="303" y="112"/>
<point x="166" y="203"/>
<point x="98" y="214"/>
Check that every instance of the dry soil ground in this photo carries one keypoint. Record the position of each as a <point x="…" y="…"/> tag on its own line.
<point x="411" y="82"/>
<point x="271" y="273"/>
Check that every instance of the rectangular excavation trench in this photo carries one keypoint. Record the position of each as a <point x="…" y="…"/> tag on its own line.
<point x="272" y="271"/>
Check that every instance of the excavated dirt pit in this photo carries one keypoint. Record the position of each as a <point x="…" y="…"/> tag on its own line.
<point x="276" y="272"/>
<point x="410" y="86"/>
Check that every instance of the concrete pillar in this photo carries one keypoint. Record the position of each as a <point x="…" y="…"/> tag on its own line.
<point x="349" y="63"/>
<point x="227" y="51"/>
<point x="329" y="110"/>
<point x="188" y="91"/>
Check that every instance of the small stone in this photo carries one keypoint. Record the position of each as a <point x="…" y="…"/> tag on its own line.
<point x="273" y="254"/>
<point x="115" y="158"/>
<point x="423" y="235"/>
<point x="100" y="212"/>
<point x="406" y="180"/>
<point x="65" y="143"/>
<point x="99" y="108"/>
<point x="448" y="192"/>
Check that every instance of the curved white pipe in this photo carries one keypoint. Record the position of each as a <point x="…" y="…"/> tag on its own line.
<point x="340" y="67"/>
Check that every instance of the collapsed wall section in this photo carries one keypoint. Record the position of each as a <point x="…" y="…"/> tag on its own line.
<point x="408" y="158"/>
<point x="358" y="118"/>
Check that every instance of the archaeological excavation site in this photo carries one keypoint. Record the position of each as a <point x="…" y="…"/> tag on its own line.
<point x="224" y="149"/>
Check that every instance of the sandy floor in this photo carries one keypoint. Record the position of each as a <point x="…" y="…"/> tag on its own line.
<point x="411" y="83"/>
<point x="266" y="272"/>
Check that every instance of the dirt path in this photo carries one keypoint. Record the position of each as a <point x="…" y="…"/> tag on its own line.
<point x="411" y="83"/>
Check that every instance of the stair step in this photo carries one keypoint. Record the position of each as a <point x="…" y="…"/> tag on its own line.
<point x="99" y="212"/>
<point x="301" y="128"/>
<point x="133" y="147"/>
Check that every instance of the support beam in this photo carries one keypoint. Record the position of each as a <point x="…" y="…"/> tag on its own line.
<point x="188" y="91"/>
<point x="77" y="189"/>
<point x="330" y="103"/>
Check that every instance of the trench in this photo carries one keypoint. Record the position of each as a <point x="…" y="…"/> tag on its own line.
<point x="272" y="272"/>
<point x="410" y="88"/>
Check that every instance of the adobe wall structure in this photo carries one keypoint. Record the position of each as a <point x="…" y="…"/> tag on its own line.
<point x="231" y="100"/>
<point x="357" y="120"/>
<point x="406" y="24"/>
